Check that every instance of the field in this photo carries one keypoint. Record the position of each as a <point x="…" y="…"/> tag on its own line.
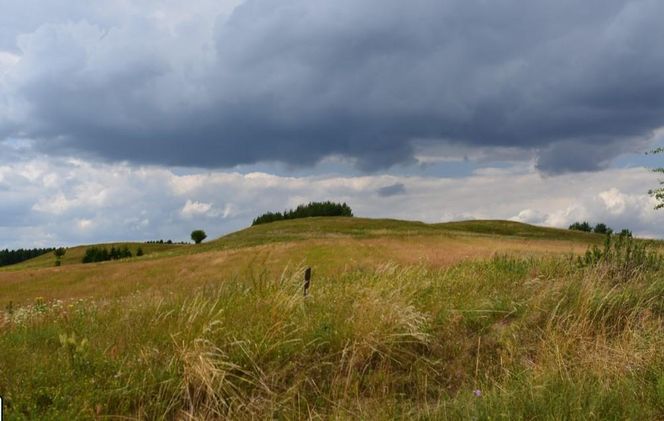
<point x="469" y="320"/>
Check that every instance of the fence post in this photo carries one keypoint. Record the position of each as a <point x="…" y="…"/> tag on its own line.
<point x="307" y="280"/>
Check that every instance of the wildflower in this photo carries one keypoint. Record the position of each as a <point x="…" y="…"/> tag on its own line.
<point x="477" y="392"/>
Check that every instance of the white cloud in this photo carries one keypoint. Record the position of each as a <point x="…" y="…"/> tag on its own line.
<point x="67" y="202"/>
<point x="614" y="200"/>
<point x="193" y="209"/>
<point x="56" y="205"/>
<point x="7" y="61"/>
<point x="530" y="216"/>
<point x="619" y="209"/>
<point x="84" y="224"/>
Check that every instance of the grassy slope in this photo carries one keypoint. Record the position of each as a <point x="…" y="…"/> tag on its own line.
<point x="361" y="227"/>
<point x="222" y="329"/>
<point x="325" y="228"/>
<point x="329" y="245"/>
<point x="74" y="255"/>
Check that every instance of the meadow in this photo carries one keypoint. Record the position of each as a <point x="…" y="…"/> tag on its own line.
<point x="404" y="320"/>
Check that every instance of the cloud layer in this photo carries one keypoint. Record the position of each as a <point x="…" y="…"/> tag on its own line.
<point x="47" y="202"/>
<point x="220" y="84"/>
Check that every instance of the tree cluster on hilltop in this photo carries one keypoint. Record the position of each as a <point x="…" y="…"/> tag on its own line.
<point x="11" y="257"/>
<point x="600" y="228"/>
<point x="305" y="211"/>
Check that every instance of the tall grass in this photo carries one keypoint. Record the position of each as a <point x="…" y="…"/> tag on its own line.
<point x="623" y="256"/>
<point x="506" y="338"/>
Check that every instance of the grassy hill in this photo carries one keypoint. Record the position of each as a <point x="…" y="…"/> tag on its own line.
<point x="363" y="228"/>
<point x="330" y="245"/>
<point x="329" y="227"/>
<point x="464" y="320"/>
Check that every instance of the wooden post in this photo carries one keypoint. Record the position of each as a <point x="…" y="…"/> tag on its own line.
<point x="307" y="280"/>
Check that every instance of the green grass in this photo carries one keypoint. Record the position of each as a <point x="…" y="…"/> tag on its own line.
<point x="333" y="227"/>
<point x="320" y="227"/>
<point x="325" y="228"/>
<point x="518" y="229"/>
<point x="539" y="337"/>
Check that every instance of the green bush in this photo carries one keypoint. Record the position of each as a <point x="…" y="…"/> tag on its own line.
<point x="623" y="256"/>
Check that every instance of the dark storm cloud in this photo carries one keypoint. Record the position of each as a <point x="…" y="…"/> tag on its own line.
<point x="392" y="190"/>
<point x="586" y="155"/>
<point x="298" y="80"/>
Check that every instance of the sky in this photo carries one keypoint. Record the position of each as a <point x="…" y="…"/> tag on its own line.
<point x="128" y="120"/>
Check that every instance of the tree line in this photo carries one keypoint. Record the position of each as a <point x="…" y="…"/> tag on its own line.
<point x="600" y="228"/>
<point x="305" y="211"/>
<point x="102" y="254"/>
<point x="165" y="242"/>
<point x="12" y="257"/>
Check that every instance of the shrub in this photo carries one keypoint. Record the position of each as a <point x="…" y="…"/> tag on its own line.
<point x="623" y="257"/>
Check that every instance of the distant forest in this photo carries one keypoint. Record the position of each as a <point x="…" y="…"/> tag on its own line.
<point x="306" y="211"/>
<point x="11" y="257"/>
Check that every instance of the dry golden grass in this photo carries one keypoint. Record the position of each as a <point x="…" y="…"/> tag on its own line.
<point x="172" y="273"/>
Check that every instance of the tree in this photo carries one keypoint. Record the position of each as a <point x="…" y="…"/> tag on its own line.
<point x="59" y="253"/>
<point x="625" y="233"/>
<point x="658" y="193"/>
<point x="581" y="226"/>
<point x="11" y="257"/>
<point x="124" y="252"/>
<point x="198" y="236"/>
<point x="601" y="228"/>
